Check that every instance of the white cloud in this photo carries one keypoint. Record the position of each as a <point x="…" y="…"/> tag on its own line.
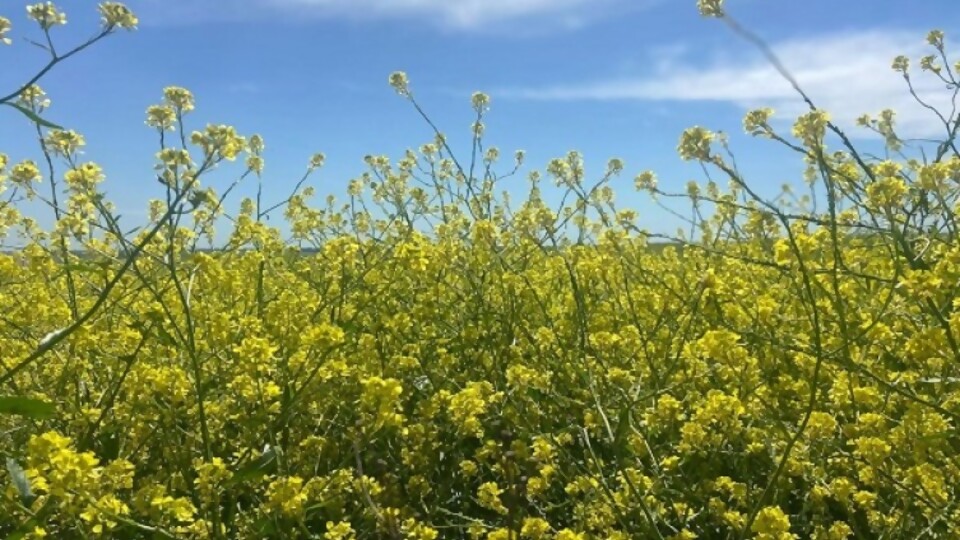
<point x="516" y="17"/>
<point x="457" y="14"/>
<point x="847" y="74"/>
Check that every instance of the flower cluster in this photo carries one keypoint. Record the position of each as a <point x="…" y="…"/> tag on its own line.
<point x="430" y="358"/>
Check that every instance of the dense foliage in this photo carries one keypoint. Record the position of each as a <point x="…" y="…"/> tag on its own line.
<point x="445" y="363"/>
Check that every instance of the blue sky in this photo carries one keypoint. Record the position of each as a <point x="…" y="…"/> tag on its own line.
<point x="610" y="78"/>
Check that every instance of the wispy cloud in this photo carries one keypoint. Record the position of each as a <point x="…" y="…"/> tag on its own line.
<point x="847" y="74"/>
<point x="461" y="14"/>
<point x="526" y="16"/>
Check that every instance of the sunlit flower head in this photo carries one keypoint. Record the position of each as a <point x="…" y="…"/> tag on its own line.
<point x="33" y="97"/>
<point x="256" y="145"/>
<point x="84" y="177"/>
<point x="614" y="166"/>
<point x="771" y="523"/>
<point x="179" y="98"/>
<point x="219" y="141"/>
<point x="46" y="14"/>
<point x="901" y="64"/>
<point x="64" y="142"/>
<point x="710" y="8"/>
<point x="935" y="38"/>
<point x="25" y="172"/>
<point x="646" y="181"/>
<point x="255" y="163"/>
<point x="695" y="144"/>
<point x="756" y="121"/>
<point x="115" y="14"/>
<point x="811" y="127"/>
<point x="400" y="83"/>
<point x="480" y="101"/>
<point x="929" y="63"/>
<point x="162" y="117"/>
<point x="5" y="26"/>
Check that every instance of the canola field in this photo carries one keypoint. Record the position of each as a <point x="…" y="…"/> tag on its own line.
<point x="444" y="362"/>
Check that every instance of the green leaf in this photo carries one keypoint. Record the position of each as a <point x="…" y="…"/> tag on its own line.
<point x="31" y="408"/>
<point x="33" y="116"/>
<point x="36" y="520"/>
<point x="623" y="427"/>
<point x="265" y="525"/>
<point x="265" y="464"/>
<point x="935" y="436"/>
<point x="20" y="480"/>
<point x="109" y="446"/>
<point x="25" y="528"/>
